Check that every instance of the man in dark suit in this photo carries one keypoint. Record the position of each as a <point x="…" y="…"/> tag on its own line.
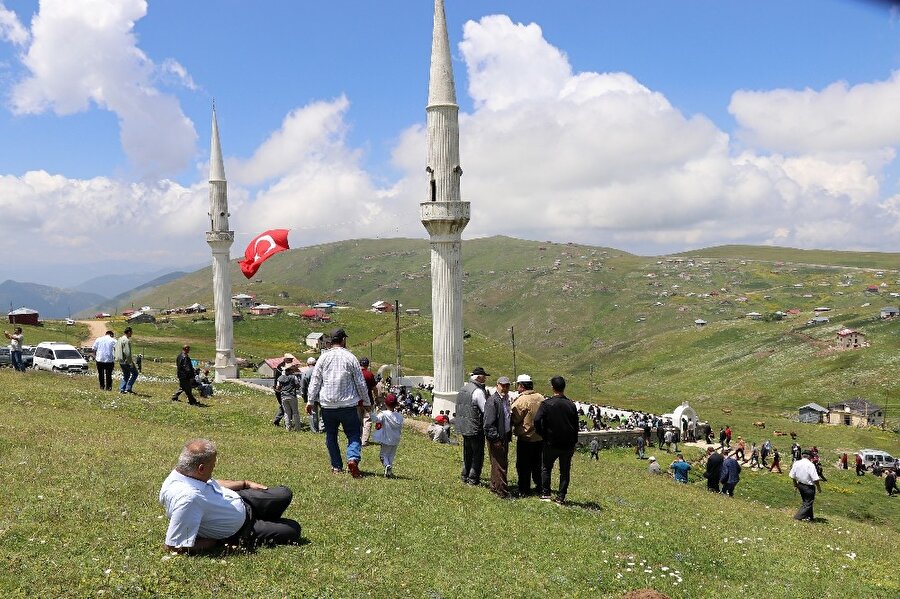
<point x="185" y="371"/>
<point x="713" y="472"/>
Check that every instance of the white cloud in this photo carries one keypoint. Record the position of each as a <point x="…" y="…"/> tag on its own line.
<point x="838" y="118"/>
<point x="85" y="53"/>
<point x="170" y="66"/>
<point x="11" y="28"/>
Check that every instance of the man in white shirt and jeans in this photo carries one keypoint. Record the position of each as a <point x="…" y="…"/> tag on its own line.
<point x="104" y="356"/>
<point x="806" y="479"/>
<point x="205" y="513"/>
<point x="338" y="386"/>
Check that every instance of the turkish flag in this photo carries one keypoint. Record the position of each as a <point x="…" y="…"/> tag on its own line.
<point x="261" y="248"/>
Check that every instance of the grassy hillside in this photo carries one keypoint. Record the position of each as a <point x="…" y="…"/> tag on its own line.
<point x="79" y="515"/>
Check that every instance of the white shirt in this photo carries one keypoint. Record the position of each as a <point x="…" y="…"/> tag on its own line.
<point x="104" y="349"/>
<point x="804" y="472"/>
<point x="479" y="395"/>
<point x="197" y="508"/>
<point x="391" y="427"/>
<point x="337" y="380"/>
<point x="15" y="341"/>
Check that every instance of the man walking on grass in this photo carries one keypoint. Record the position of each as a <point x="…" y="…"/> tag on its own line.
<point x="185" y="371"/>
<point x="556" y="422"/>
<point x="105" y="358"/>
<point x="806" y="480"/>
<point x="338" y="386"/>
<point x="126" y="362"/>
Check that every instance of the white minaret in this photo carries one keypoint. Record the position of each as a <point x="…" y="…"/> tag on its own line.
<point x="444" y="216"/>
<point x="220" y="239"/>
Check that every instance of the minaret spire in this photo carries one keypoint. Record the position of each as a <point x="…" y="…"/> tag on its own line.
<point x="220" y="239"/>
<point x="441" y="90"/>
<point x="444" y="215"/>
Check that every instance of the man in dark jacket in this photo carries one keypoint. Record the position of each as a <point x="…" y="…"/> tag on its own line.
<point x="470" y="402"/>
<point x="713" y="469"/>
<point x="556" y="422"/>
<point x="497" y="431"/>
<point x="185" y="371"/>
<point x="731" y="474"/>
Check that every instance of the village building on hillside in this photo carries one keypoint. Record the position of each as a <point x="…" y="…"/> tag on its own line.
<point x="267" y="368"/>
<point x="872" y="289"/>
<point x="850" y="339"/>
<point x="326" y="307"/>
<point x="700" y="322"/>
<point x="316" y="341"/>
<point x="140" y="317"/>
<point x="818" y="320"/>
<point x="382" y="306"/>
<point x="413" y="311"/>
<point x="24" y="315"/>
<point x="855" y="412"/>
<point x="315" y="314"/>
<point x="889" y="312"/>
<point x="242" y="300"/>
<point x="754" y="315"/>
<point x="812" y="413"/>
<point x="265" y="310"/>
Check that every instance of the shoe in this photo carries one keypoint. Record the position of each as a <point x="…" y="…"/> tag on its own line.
<point x="546" y="498"/>
<point x="174" y="399"/>
<point x="337" y="470"/>
<point x="353" y="467"/>
<point x="389" y="471"/>
<point x="559" y="501"/>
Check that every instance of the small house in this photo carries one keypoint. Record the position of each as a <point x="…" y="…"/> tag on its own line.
<point x="316" y="341"/>
<point x="382" y="306"/>
<point x="315" y="314"/>
<point x="265" y="310"/>
<point x="412" y="311"/>
<point x="242" y="300"/>
<point x="140" y="317"/>
<point x="812" y="413"/>
<point x="326" y="307"/>
<point x="128" y="312"/>
<point x="700" y="322"/>
<point x="889" y="312"/>
<point x="855" y="412"/>
<point x="24" y="315"/>
<point x="754" y="315"/>
<point x="872" y="289"/>
<point x="267" y="368"/>
<point x="850" y="339"/>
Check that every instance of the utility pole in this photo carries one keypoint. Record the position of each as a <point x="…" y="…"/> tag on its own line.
<point x="591" y="391"/>
<point x="512" y="334"/>
<point x="397" y="336"/>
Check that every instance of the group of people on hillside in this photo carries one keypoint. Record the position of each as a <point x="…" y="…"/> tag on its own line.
<point x="545" y="428"/>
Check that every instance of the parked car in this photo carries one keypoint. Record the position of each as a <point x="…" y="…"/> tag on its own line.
<point x="27" y="356"/>
<point x="58" y="357"/>
<point x="876" y="457"/>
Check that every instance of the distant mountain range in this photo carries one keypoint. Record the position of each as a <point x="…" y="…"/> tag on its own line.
<point x="109" y="286"/>
<point x="50" y="302"/>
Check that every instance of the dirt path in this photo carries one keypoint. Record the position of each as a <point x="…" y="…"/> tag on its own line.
<point x="96" y="328"/>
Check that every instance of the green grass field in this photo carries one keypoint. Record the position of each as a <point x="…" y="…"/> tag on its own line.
<point x="79" y="516"/>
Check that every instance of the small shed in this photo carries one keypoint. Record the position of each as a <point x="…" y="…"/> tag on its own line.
<point x="889" y="312"/>
<point x="383" y="306"/>
<point x="140" y="317"/>
<point x="195" y="308"/>
<point x="812" y="413"/>
<point x="265" y="310"/>
<point x="267" y="368"/>
<point x="24" y="315"/>
<point x="316" y="341"/>
<point x="855" y="412"/>
<point x="413" y="311"/>
<point x="700" y="322"/>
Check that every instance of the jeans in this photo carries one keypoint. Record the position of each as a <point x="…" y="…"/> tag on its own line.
<point x="16" y="360"/>
<point x="314" y="424"/>
<point x="348" y="418"/>
<point x="104" y="374"/>
<point x="549" y="456"/>
<point x="129" y="375"/>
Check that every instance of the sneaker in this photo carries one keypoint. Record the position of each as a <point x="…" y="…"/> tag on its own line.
<point x="353" y="467"/>
<point x="389" y="471"/>
<point x="546" y="498"/>
<point x="337" y="470"/>
<point x="559" y="501"/>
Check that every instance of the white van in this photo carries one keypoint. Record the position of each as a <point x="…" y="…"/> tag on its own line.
<point x="58" y="357"/>
<point x="876" y="457"/>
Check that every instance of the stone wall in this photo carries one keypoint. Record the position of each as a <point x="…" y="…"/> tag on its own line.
<point x="612" y="438"/>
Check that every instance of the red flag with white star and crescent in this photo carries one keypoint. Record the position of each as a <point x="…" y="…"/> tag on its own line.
<point x="261" y="248"/>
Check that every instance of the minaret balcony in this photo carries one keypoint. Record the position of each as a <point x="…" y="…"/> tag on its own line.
<point x="444" y="218"/>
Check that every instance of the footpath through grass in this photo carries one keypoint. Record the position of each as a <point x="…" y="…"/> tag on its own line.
<point x="79" y="515"/>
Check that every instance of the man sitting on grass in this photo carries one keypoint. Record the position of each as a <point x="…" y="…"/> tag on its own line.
<point x="205" y="513"/>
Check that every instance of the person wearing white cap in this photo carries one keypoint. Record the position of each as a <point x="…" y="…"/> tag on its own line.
<point x="286" y="361"/>
<point x="654" y="468"/>
<point x="529" y="443"/>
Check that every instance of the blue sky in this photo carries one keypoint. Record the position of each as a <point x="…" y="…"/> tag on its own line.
<point x="646" y="126"/>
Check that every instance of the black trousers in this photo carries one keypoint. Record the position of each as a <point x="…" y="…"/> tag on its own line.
<point x="186" y="387"/>
<point x="104" y="374"/>
<point x="712" y="484"/>
<point x="473" y="458"/>
<point x="528" y="465"/>
<point x="808" y="495"/>
<point x="549" y="456"/>
<point x="265" y="524"/>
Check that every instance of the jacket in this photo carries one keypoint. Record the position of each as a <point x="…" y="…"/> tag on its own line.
<point x="731" y="472"/>
<point x="123" y="351"/>
<point x="522" y="415"/>
<point x="714" y="467"/>
<point x="557" y="422"/>
<point x="184" y="367"/>
<point x="495" y="428"/>
<point x="469" y="417"/>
